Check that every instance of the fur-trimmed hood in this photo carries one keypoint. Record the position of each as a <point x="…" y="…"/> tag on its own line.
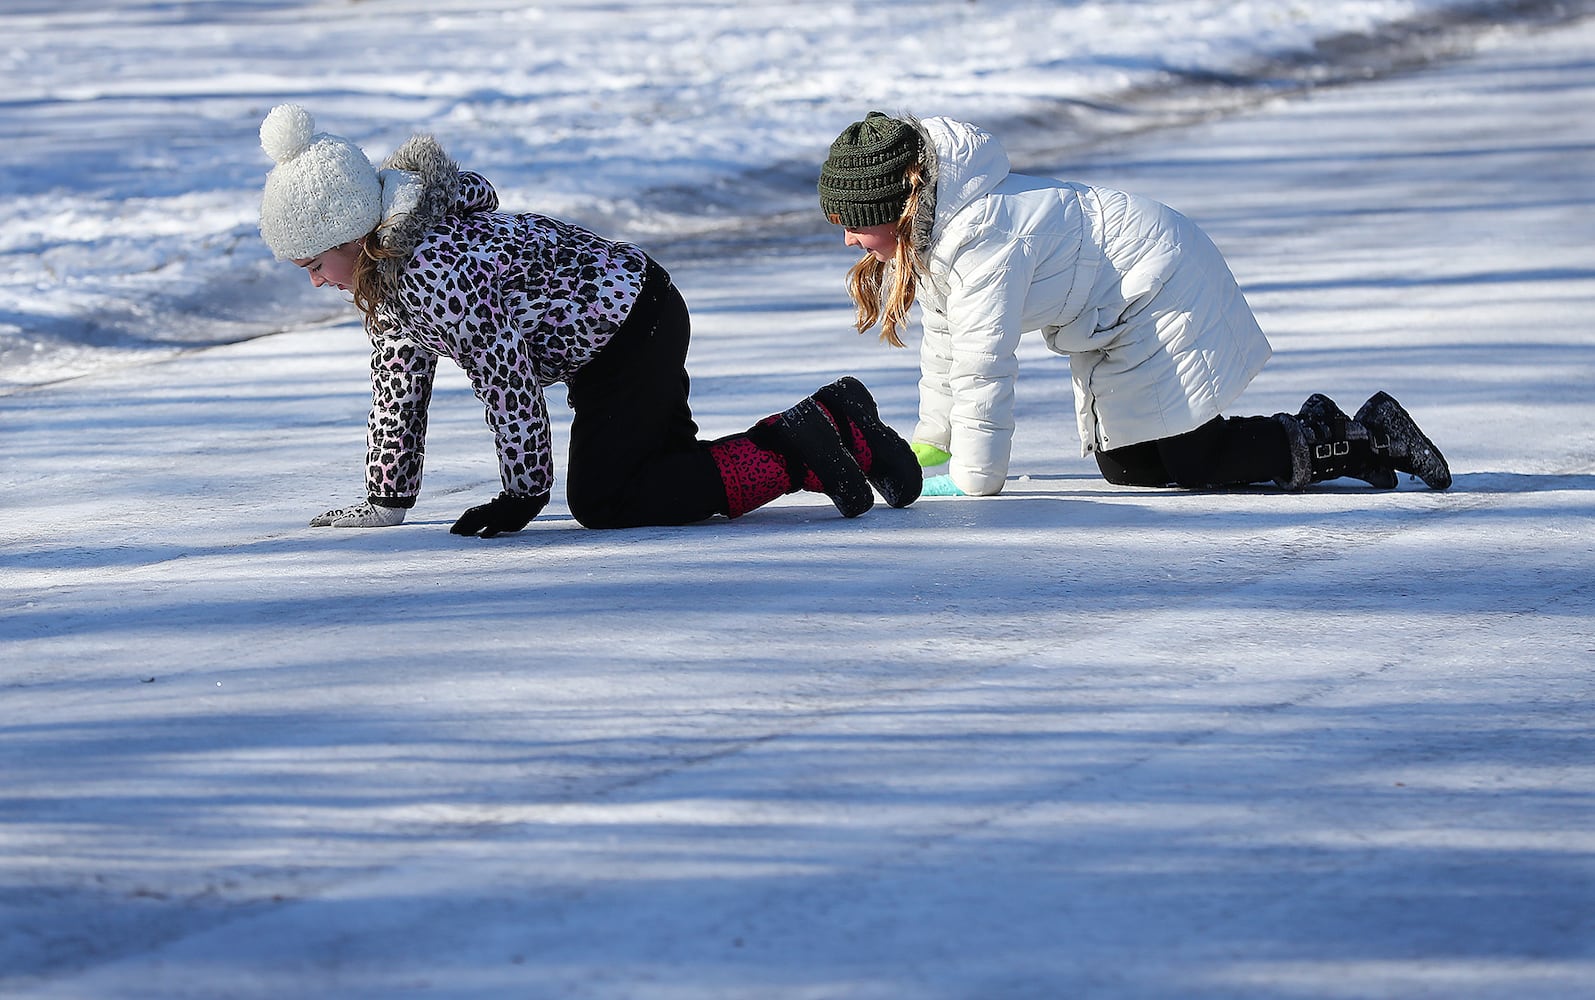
<point x="422" y="186"/>
<point x="962" y="163"/>
<point x="925" y="213"/>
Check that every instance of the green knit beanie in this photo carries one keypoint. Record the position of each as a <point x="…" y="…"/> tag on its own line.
<point x="862" y="181"/>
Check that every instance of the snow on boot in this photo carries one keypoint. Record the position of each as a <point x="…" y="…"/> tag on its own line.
<point x="1299" y="446"/>
<point x="887" y="460"/>
<point x="1343" y="447"/>
<point x="1410" y="450"/>
<point x="806" y="436"/>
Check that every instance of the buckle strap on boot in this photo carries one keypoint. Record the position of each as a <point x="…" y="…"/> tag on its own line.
<point x="1343" y="447"/>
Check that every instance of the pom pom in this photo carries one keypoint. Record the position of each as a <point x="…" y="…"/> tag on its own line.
<point x="287" y="132"/>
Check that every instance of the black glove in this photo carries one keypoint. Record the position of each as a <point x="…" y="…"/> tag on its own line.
<point x="505" y="512"/>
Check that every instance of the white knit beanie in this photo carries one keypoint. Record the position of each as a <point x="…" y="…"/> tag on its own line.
<point x="322" y="193"/>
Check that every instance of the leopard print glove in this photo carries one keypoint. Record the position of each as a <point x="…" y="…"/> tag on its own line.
<point x="362" y="515"/>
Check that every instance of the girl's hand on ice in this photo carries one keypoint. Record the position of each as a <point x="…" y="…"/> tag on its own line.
<point x="929" y="455"/>
<point x="505" y="512"/>
<point x="361" y="515"/>
<point x="941" y="486"/>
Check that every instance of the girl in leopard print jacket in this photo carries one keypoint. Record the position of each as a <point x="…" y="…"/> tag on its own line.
<point x="520" y="302"/>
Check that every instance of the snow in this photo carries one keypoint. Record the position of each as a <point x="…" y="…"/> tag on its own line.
<point x="132" y="168"/>
<point x="1072" y="741"/>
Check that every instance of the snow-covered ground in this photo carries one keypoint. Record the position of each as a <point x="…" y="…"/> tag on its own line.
<point x="131" y="171"/>
<point x="1073" y="741"/>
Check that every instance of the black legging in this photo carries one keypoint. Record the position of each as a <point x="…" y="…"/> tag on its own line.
<point x="635" y="457"/>
<point x="1225" y="451"/>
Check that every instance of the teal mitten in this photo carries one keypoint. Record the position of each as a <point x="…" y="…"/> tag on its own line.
<point x="929" y="454"/>
<point x="941" y="486"/>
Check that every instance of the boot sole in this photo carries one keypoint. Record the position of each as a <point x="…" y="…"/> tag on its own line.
<point x="894" y="469"/>
<point x="1383" y="414"/>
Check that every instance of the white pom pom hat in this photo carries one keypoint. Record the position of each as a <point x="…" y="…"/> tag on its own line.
<point x="322" y="193"/>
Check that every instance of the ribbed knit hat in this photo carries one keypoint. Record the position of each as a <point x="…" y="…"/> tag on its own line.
<point x="322" y="193"/>
<point x="861" y="183"/>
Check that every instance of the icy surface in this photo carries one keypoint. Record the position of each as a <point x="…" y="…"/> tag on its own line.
<point x="1073" y="741"/>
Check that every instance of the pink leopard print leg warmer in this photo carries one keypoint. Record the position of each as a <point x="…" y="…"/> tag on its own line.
<point x="753" y="476"/>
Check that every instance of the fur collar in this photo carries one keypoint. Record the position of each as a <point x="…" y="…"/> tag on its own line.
<point x="925" y="214"/>
<point x="420" y="188"/>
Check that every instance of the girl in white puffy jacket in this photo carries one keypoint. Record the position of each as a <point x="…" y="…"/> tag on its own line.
<point x="1159" y="337"/>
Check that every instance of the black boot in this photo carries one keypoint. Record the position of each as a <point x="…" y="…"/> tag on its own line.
<point x="1343" y="446"/>
<point x="889" y="463"/>
<point x="1410" y="450"/>
<point x="810" y="443"/>
<point x="1299" y="446"/>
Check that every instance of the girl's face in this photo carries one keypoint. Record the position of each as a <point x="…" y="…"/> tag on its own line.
<point x="333" y="267"/>
<point x="881" y="241"/>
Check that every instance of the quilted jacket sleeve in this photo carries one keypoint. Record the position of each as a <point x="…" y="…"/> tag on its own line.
<point x="935" y="365"/>
<point x="985" y="304"/>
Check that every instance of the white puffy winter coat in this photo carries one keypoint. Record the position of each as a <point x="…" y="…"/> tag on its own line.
<point x="1159" y="337"/>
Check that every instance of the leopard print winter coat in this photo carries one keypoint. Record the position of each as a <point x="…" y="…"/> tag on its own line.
<point x="519" y="302"/>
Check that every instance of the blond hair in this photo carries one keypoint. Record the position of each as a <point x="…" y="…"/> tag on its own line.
<point x="868" y="280"/>
<point x="367" y="284"/>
